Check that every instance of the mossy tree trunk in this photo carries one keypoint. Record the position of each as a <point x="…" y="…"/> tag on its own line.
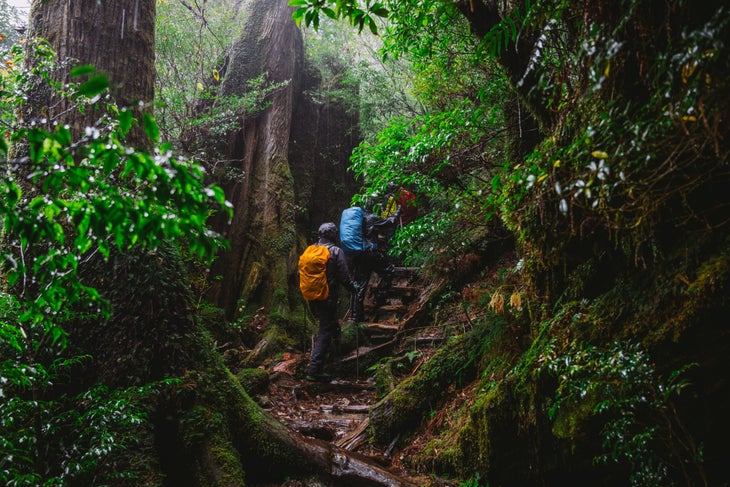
<point x="262" y="233"/>
<point x="293" y="157"/>
<point x="403" y="409"/>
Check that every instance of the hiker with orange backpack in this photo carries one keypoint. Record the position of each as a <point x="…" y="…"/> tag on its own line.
<point x="322" y="267"/>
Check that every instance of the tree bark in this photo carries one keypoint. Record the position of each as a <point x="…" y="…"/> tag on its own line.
<point x="262" y="233"/>
<point x="117" y="38"/>
<point x="294" y="158"/>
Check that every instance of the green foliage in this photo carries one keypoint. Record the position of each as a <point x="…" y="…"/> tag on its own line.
<point x="11" y="25"/>
<point x="475" y="481"/>
<point x="360" y="16"/>
<point x="605" y="158"/>
<point x="419" y="154"/>
<point x="612" y="169"/>
<point x="641" y="425"/>
<point x="104" y="425"/>
<point x="191" y="39"/>
<point x="71" y="197"/>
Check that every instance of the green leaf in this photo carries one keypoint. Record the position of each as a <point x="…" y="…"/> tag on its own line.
<point x="57" y="334"/>
<point x="63" y="135"/>
<point x="298" y="15"/>
<point x="151" y="128"/>
<point x="309" y="17"/>
<point x="82" y="70"/>
<point x="94" y="86"/>
<point x="297" y="3"/>
<point x="379" y="10"/>
<point x="12" y="277"/>
<point x="125" y="121"/>
<point x="372" y="25"/>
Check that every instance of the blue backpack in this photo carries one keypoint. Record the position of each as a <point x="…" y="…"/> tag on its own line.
<point x="352" y="240"/>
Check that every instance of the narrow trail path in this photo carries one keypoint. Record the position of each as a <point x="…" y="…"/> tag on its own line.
<point x="337" y="412"/>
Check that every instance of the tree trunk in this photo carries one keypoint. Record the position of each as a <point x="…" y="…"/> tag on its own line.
<point x="294" y="158"/>
<point x="117" y="38"/>
<point x="262" y="233"/>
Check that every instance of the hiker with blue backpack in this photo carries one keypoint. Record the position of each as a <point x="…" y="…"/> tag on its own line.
<point x="365" y="239"/>
<point x="322" y="267"/>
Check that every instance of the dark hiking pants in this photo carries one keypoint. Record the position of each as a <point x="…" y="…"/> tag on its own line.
<point x="329" y="330"/>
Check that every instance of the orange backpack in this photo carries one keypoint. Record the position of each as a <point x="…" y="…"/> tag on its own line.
<point x="313" y="273"/>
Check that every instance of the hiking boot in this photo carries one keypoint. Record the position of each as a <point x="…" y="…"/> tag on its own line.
<point x="319" y="377"/>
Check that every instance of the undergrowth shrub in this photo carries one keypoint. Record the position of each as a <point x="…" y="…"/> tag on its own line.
<point x="641" y="425"/>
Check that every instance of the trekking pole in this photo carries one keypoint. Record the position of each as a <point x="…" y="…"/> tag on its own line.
<point x="357" y="353"/>
<point x="357" y="341"/>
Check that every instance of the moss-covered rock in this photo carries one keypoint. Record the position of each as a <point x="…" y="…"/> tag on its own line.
<point x="254" y="381"/>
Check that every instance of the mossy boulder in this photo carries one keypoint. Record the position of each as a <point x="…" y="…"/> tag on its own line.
<point x="254" y="381"/>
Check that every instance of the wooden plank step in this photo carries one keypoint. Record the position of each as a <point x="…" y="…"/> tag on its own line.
<point x="362" y="351"/>
<point x="393" y="308"/>
<point x="345" y="408"/>
<point x="381" y="327"/>
<point x="404" y="290"/>
<point x="402" y="270"/>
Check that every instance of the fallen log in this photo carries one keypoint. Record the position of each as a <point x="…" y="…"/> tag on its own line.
<point x="351" y="467"/>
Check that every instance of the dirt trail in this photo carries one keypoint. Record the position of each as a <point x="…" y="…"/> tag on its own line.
<point x="337" y="411"/>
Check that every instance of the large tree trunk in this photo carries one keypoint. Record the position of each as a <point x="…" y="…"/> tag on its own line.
<point x="117" y="38"/>
<point x="294" y="157"/>
<point x="262" y="233"/>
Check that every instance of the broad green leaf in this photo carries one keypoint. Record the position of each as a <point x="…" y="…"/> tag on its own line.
<point x="57" y="333"/>
<point x="309" y="16"/>
<point x="82" y="70"/>
<point x="94" y="86"/>
<point x="372" y="25"/>
<point x="63" y="135"/>
<point x="151" y="128"/>
<point x="298" y="15"/>
<point x="379" y="10"/>
<point x="12" y="277"/>
<point x="125" y="121"/>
